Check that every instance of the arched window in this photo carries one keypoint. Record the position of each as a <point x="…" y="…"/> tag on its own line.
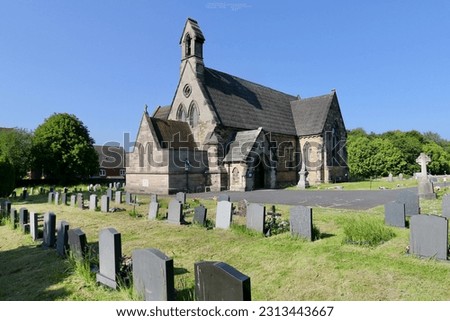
<point x="193" y="114"/>
<point x="181" y="113"/>
<point x="187" y="44"/>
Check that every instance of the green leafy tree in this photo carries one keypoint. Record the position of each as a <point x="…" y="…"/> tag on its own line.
<point x="63" y="149"/>
<point x="360" y="153"/>
<point x="386" y="158"/>
<point x="440" y="159"/>
<point x="15" y="145"/>
<point x="7" y="177"/>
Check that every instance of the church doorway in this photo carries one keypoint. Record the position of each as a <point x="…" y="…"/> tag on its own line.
<point x="259" y="176"/>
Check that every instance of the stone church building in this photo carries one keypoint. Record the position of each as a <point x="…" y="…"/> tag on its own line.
<point x="222" y="132"/>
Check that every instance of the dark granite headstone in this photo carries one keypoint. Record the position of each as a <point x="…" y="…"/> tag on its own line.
<point x="223" y="197"/>
<point x="110" y="248"/>
<point x="181" y="197"/>
<point x="446" y="206"/>
<point x="256" y="217"/>
<point x="49" y="230"/>
<point x="93" y="202"/>
<point x="200" y="215"/>
<point x="105" y="203"/>
<point x="153" y="210"/>
<point x="77" y="243"/>
<point x="153" y="275"/>
<point x="175" y="212"/>
<point x="429" y="236"/>
<point x="118" y="198"/>
<point x="24" y="217"/>
<point x="218" y="281"/>
<point x="394" y="214"/>
<point x="301" y="222"/>
<point x="223" y="214"/>
<point x="62" y="238"/>
<point x="411" y="201"/>
<point x="73" y="200"/>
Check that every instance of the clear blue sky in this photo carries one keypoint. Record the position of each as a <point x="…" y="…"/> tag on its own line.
<point x="103" y="60"/>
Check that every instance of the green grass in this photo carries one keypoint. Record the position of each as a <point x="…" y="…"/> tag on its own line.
<point x="280" y="267"/>
<point x="364" y="185"/>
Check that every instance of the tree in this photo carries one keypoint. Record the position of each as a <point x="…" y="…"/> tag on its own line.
<point x="63" y="149"/>
<point x="440" y="159"/>
<point x="7" y="178"/>
<point x="359" y="155"/>
<point x="15" y="145"/>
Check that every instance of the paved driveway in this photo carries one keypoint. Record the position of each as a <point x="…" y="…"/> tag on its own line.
<point x="323" y="198"/>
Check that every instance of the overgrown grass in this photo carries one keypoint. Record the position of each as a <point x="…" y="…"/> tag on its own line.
<point x="280" y="267"/>
<point x="366" y="230"/>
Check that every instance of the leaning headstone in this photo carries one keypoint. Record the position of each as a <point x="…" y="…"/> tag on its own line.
<point x="110" y="255"/>
<point x="77" y="243"/>
<point x="223" y="197"/>
<point x="181" y="197"/>
<point x="64" y="198"/>
<point x="394" y="214"/>
<point x="446" y="206"/>
<point x="34" y="226"/>
<point x="73" y="200"/>
<point x="200" y="215"/>
<point x="153" y="275"/>
<point x="223" y="214"/>
<point x="51" y="196"/>
<point x="62" y="238"/>
<point x="218" y="281"/>
<point x="301" y="222"/>
<point x="24" y="217"/>
<point x="153" y="210"/>
<point x="429" y="236"/>
<point x="80" y="200"/>
<point x="93" y="202"/>
<point x="175" y="212"/>
<point x="49" y="234"/>
<point x="118" y="198"/>
<point x="256" y="217"/>
<point x="105" y="203"/>
<point x="411" y="201"/>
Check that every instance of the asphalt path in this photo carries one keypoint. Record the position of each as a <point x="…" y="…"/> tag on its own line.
<point x="351" y="199"/>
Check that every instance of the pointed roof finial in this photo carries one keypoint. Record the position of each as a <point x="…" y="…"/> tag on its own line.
<point x="145" y="109"/>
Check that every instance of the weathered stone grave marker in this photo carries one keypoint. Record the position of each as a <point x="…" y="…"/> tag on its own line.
<point x="105" y="203"/>
<point x="223" y="214"/>
<point x="394" y="214"/>
<point x="153" y="275"/>
<point x="49" y="230"/>
<point x="128" y="198"/>
<point x="411" y="201"/>
<point x="24" y="218"/>
<point x="51" y="197"/>
<point x="62" y="238"/>
<point x="218" y="281"/>
<point x="35" y="218"/>
<point x="109" y="193"/>
<point x="93" y="202"/>
<point x="301" y="222"/>
<point x="110" y="248"/>
<point x="80" y="200"/>
<point x="153" y="210"/>
<point x="14" y="217"/>
<point x="429" y="236"/>
<point x="200" y="215"/>
<point x="56" y="198"/>
<point x="153" y="198"/>
<point x="118" y="198"/>
<point x="256" y="217"/>
<point x="446" y="206"/>
<point x="73" y="200"/>
<point x="175" y="212"/>
<point x="181" y="197"/>
<point x="223" y="197"/>
<point x="425" y="186"/>
<point x="77" y="243"/>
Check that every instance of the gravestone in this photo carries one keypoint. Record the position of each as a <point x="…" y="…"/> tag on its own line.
<point x="77" y="243"/>
<point x="218" y="281"/>
<point x="24" y="218"/>
<point x="73" y="200"/>
<point x="425" y="186"/>
<point x="223" y="197"/>
<point x="200" y="215"/>
<point x="175" y="212"/>
<point x="118" y="198"/>
<point x="446" y="206"/>
<point x="6" y="208"/>
<point x="256" y="217"/>
<point x="93" y="202"/>
<point x="429" y="236"/>
<point x="105" y="203"/>
<point x="51" y="196"/>
<point x="24" y="194"/>
<point x="64" y="198"/>
<point x="62" y="238"/>
<point x="80" y="200"/>
<point x="390" y="177"/>
<point x="153" y="275"/>
<point x="56" y="198"/>
<point x="110" y="255"/>
<point x="14" y="217"/>
<point x="394" y="214"/>
<point x="49" y="230"/>
<point x="109" y="193"/>
<point x="153" y="198"/>
<point x="242" y="207"/>
<point x="181" y="197"/>
<point x="153" y="210"/>
<point x="400" y="176"/>
<point x="301" y="222"/>
<point x="34" y="226"/>
<point x="223" y="214"/>
<point x="128" y="198"/>
<point x="411" y="201"/>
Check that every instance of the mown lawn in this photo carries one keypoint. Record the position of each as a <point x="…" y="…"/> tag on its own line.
<point x="280" y="267"/>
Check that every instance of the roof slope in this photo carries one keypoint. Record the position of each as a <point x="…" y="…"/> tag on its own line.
<point x="310" y="114"/>
<point x="243" y="104"/>
<point x="242" y="145"/>
<point x="162" y="112"/>
<point x="172" y="133"/>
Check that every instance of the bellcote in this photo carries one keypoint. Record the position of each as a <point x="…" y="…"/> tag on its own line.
<point x="191" y="43"/>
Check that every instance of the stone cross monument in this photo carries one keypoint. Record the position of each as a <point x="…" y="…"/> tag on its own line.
<point x="303" y="182"/>
<point x="425" y="187"/>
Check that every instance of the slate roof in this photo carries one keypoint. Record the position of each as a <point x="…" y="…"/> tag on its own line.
<point x="242" y="145"/>
<point x="110" y="156"/>
<point x="172" y="133"/>
<point x="310" y="114"/>
<point x="243" y="104"/>
<point x="198" y="35"/>
<point x="162" y="112"/>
